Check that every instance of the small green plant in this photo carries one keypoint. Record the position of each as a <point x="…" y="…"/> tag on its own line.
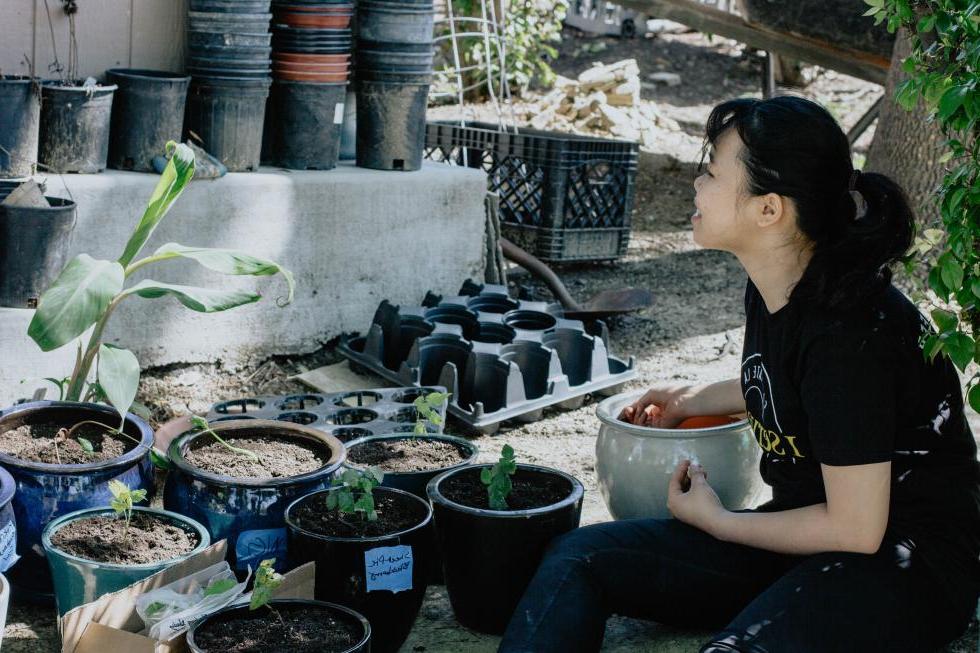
<point x="427" y="407"/>
<point x="88" y="291"/>
<point x="355" y="493"/>
<point x="123" y="500"/>
<point x="497" y="478"/>
<point x="267" y="581"/>
<point x="201" y="424"/>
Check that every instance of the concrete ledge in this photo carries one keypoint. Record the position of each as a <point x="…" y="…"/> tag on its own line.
<point x="351" y="236"/>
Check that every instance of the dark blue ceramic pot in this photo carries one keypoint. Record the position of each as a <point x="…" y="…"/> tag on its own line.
<point x="8" y="522"/>
<point x="247" y="512"/>
<point x="46" y="490"/>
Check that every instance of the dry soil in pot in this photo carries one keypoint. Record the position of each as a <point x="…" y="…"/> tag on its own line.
<point x="307" y="630"/>
<point x="36" y="443"/>
<point x="395" y="513"/>
<point x="149" y="540"/>
<point x="278" y="457"/>
<point x="529" y="490"/>
<point x="407" y="455"/>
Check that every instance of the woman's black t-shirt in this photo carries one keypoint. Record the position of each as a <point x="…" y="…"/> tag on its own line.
<point x="854" y="388"/>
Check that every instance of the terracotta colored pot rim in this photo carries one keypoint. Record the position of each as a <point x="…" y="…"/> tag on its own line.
<point x="290" y="76"/>
<point x="294" y="57"/>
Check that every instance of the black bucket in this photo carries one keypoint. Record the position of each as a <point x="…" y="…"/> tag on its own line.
<point x="393" y="60"/>
<point x="306" y="123"/>
<point x="20" y="115"/>
<point x="35" y="243"/>
<point x="75" y="121"/>
<point x="390" y="125"/>
<point x="227" y="113"/>
<point x="394" y="22"/>
<point x="148" y="112"/>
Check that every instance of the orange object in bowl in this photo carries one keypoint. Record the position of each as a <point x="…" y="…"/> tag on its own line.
<point x="706" y="421"/>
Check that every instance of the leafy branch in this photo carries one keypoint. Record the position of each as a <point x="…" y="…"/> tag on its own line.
<point x="353" y="493"/>
<point x="497" y="478"/>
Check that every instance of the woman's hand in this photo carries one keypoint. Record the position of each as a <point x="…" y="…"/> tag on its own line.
<point x="691" y="500"/>
<point x="661" y="407"/>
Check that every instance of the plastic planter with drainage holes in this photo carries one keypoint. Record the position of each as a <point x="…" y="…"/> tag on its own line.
<point x="47" y="490"/>
<point x="507" y="545"/>
<point x="248" y="512"/>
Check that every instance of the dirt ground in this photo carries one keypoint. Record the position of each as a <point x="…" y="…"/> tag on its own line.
<point x="693" y="332"/>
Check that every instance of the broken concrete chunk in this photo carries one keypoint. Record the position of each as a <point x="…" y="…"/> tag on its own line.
<point x="28" y="194"/>
<point x="670" y="79"/>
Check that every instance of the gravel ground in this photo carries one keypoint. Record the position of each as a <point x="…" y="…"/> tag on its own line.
<point x="693" y="331"/>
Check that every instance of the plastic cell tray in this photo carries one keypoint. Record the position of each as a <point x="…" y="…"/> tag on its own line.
<point x="346" y="415"/>
<point x="502" y="359"/>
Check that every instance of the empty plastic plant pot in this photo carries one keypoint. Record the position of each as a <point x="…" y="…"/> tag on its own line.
<point x="437" y="351"/>
<point x="75" y="123"/>
<point x="307" y="123"/>
<point x="492" y="332"/>
<point x="148" y="112"/>
<point x="394" y="22"/>
<point x="380" y="573"/>
<point x="523" y="320"/>
<point x="20" y="114"/>
<point x="34" y="246"/>
<point x="390" y="125"/>
<point x="458" y="315"/>
<point x="80" y="580"/>
<point x="508" y="544"/>
<point x="234" y="39"/>
<point x="228" y="116"/>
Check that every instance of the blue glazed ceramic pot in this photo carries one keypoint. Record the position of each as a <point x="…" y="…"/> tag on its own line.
<point x="78" y="581"/>
<point x="45" y="491"/>
<point x="248" y="512"/>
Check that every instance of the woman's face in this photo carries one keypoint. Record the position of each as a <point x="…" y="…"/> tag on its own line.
<point x="719" y="220"/>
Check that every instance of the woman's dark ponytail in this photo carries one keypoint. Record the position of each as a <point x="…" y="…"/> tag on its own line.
<point x="857" y="223"/>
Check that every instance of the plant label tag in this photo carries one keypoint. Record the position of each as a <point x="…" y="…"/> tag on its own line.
<point x="338" y="113"/>
<point x="8" y="546"/>
<point x="389" y="568"/>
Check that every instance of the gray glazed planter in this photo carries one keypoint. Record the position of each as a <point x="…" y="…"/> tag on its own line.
<point x="78" y="581"/>
<point x="634" y="463"/>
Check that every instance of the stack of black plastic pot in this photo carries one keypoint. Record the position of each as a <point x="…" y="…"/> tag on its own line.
<point x="311" y="64"/>
<point x="229" y="61"/>
<point x="393" y="71"/>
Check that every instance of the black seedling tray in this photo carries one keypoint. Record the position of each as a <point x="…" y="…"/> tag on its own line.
<point x="501" y="358"/>
<point x="347" y="415"/>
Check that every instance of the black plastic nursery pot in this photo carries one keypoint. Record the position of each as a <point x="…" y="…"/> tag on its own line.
<point x="231" y="39"/>
<point x="34" y="244"/>
<point x="394" y="22"/>
<point x="490" y="556"/>
<point x="148" y="112"/>
<point x="228" y="113"/>
<point x="332" y="613"/>
<point x="231" y="6"/>
<point x="390" y="125"/>
<point x="414" y="482"/>
<point x="248" y="512"/>
<point x="46" y="490"/>
<point x="383" y="577"/>
<point x="75" y="125"/>
<point x="20" y="115"/>
<point x="306" y="120"/>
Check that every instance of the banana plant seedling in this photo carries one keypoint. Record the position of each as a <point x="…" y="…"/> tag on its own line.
<point x="201" y="424"/>
<point x="88" y="291"/>
<point x="427" y="407"/>
<point x="123" y="500"/>
<point x="497" y="478"/>
<point x="355" y="493"/>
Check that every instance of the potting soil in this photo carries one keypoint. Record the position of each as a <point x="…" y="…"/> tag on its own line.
<point x="102" y="539"/>
<point x="407" y="455"/>
<point x="530" y="490"/>
<point x="395" y="513"/>
<point x="41" y="443"/>
<point x="304" y="630"/>
<point x="278" y="458"/>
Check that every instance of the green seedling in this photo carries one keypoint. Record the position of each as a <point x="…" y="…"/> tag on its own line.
<point x="123" y="500"/>
<point x="354" y="493"/>
<point x="202" y="425"/>
<point x="267" y="581"/>
<point x="159" y="460"/>
<point x="497" y="478"/>
<point x="427" y="407"/>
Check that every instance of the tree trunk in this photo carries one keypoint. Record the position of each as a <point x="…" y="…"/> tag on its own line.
<point x="905" y="146"/>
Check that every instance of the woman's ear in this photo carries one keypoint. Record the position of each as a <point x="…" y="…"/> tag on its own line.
<point x="770" y="210"/>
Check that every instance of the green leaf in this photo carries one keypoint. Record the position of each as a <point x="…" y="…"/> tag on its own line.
<point x="960" y="348"/>
<point x="119" y="377"/>
<point x="436" y="399"/>
<point x="177" y="174"/>
<point x="86" y="445"/>
<point x="202" y="300"/>
<point x="230" y="261"/>
<point x="159" y="460"/>
<point x="75" y="301"/>
<point x="952" y="100"/>
<point x="973" y="396"/>
<point x="118" y="488"/>
<point x="945" y="320"/>
<point x="266" y="583"/>
<point x="138" y="495"/>
<point x="485" y="476"/>
<point x="219" y="586"/>
<point x="952" y="272"/>
<point x="936" y="283"/>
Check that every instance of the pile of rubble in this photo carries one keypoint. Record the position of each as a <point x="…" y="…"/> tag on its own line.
<point x="603" y="101"/>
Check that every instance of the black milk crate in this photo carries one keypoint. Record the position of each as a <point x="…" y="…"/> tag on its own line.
<point x="563" y="197"/>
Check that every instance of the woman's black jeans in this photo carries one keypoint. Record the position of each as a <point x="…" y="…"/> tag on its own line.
<point x="762" y="602"/>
